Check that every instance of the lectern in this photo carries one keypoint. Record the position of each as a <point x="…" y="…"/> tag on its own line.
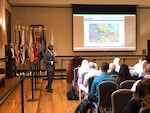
<point x="70" y="65"/>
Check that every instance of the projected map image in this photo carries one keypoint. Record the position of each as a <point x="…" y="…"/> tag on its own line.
<point x="104" y="33"/>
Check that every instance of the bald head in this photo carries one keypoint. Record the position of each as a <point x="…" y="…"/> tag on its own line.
<point x="112" y="66"/>
<point x="147" y="69"/>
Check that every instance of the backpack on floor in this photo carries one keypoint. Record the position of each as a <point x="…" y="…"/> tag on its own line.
<point x="72" y="94"/>
<point x="84" y="107"/>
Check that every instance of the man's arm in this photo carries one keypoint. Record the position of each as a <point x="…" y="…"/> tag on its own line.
<point x="46" y="55"/>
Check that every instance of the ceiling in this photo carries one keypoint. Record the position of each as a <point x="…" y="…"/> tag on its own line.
<point x="67" y="3"/>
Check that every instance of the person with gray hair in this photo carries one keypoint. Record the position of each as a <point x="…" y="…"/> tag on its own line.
<point x="93" y="71"/>
<point x="112" y="69"/>
<point x="49" y="60"/>
<point x="146" y="72"/>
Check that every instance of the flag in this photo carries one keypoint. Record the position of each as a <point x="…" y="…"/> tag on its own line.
<point x="44" y="48"/>
<point x="40" y="48"/>
<point x="35" y="46"/>
<point x="52" y="37"/>
<point x="31" y="55"/>
<point x="20" y="46"/>
<point x="23" y="45"/>
<point x="16" y="45"/>
<point x="26" y="44"/>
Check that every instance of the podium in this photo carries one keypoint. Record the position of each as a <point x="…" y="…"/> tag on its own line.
<point x="70" y="65"/>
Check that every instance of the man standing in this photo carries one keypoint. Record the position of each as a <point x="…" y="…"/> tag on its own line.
<point x="49" y="61"/>
<point x="11" y="57"/>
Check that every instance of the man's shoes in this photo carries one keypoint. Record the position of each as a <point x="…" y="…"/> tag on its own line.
<point x="50" y="90"/>
<point x="17" y="75"/>
<point x="46" y="87"/>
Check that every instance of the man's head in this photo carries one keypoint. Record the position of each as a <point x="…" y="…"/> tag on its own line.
<point x="146" y="69"/>
<point x="11" y="45"/>
<point x="91" y="65"/>
<point x="50" y="47"/>
<point x="112" y="66"/>
<point x="105" y="67"/>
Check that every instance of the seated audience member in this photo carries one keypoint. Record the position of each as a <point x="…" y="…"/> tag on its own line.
<point x="84" y="68"/>
<point x="93" y="96"/>
<point x="123" y="74"/>
<point x="146" y="72"/>
<point x="138" y="66"/>
<point x="93" y="60"/>
<point x="141" y="97"/>
<point x="112" y="69"/>
<point x="92" y="73"/>
<point x="116" y="62"/>
<point x="141" y="74"/>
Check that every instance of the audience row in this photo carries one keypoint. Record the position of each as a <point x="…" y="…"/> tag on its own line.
<point x="122" y="72"/>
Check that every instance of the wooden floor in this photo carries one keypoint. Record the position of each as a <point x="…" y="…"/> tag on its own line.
<point x="41" y="101"/>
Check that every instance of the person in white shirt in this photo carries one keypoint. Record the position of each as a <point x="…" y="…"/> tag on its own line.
<point x="92" y="73"/>
<point x="138" y="67"/>
<point x="82" y="70"/>
<point x="140" y="60"/>
<point x="116" y="62"/>
<point x="146" y="72"/>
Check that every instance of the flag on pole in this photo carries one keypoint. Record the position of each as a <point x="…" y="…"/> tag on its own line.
<point x="52" y="37"/>
<point x="31" y="55"/>
<point x="23" y="45"/>
<point x="40" y="37"/>
<point x="35" y="46"/>
<point x="20" y="45"/>
<point x="16" y="45"/>
<point x="26" y="44"/>
<point x="44" y="40"/>
<point x="40" y="48"/>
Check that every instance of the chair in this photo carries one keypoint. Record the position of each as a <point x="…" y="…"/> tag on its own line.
<point x="81" y="87"/>
<point x="127" y="84"/>
<point x="88" y="88"/>
<point x="75" y="75"/>
<point x="119" y="99"/>
<point x="75" y="79"/>
<point x="106" y="88"/>
<point x="89" y="83"/>
<point x="145" y="110"/>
